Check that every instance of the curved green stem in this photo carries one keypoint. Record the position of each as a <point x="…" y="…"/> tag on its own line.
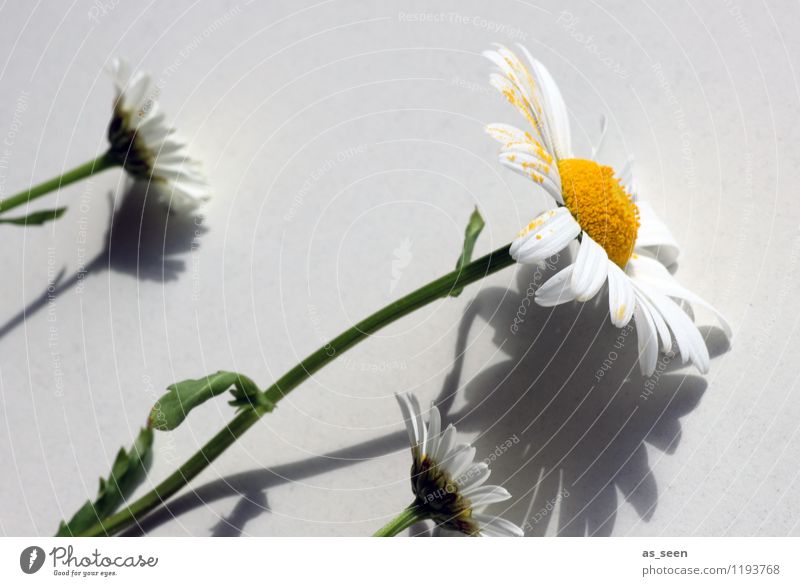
<point x="441" y="287"/>
<point x="404" y="520"/>
<point x="97" y="165"/>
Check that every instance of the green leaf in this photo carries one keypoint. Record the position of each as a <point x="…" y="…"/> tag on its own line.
<point x="127" y="472"/>
<point x="173" y="407"/>
<point x="474" y="228"/>
<point x="247" y="394"/>
<point x="35" y="218"/>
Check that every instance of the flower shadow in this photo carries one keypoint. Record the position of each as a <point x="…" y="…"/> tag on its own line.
<point x="143" y="240"/>
<point x="551" y="432"/>
<point x="565" y="420"/>
<point x="146" y="241"/>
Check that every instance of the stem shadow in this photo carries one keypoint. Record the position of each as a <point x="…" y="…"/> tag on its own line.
<point x="250" y="486"/>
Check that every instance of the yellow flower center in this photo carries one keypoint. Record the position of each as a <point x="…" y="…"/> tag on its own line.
<point x="602" y="207"/>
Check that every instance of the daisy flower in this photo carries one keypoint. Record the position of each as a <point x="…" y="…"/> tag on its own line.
<point x="619" y="239"/>
<point x="448" y="485"/>
<point x="143" y="143"/>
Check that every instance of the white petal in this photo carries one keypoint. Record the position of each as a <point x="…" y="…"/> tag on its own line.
<point x="642" y="265"/>
<point x="626" y="179"/>
<point x="148" y="123"/>
<point x="646" y="340"/>
<point x="434" y="429"/>
<point x="691" y="344"/>
<point x="182" y="196"/>
<point x="445" y="444"/>
<point x="512" y="137"/>
<point x="486" y="495"/>
<point x="172" y="151"/>
<point x="416" y="411"/>
<point x="621" y="297"/>
<point x="657" y="319"/>
<point x="170" y="170"/>
<point x="603" y="130"/>
<point x="410" y="420"/>
<point x="138" y="92"/>
<point x="530" y="167"/>
<point x="547" y="235"/>
<point x="542" y="181"/>
<point x="590" y="269"/>
<point x="497" y="526"/>
<point x="529" y="87"/>
<point x="508" y="134"/>
<point x="653" y="272"/>
<point x="525" y="155"/>
<point x="654" y="236"/>
<point x="170" y="146"/>
<point x="554" y="107"/>
<point x="120" y="72"/>
<point x="687" y="336"/>
<point x="515" y="83"/>
<point x="535" y="94"/>
<point x="556" y="290"/>
<point x="475" y="476"/>
<point x="154" y="131"/>
<point x="459" y="460"/>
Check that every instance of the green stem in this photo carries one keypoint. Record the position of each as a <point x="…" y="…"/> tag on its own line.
<point x="101" y="163"/>
<point x="404" y="520"/>
<point x="441" y="287"/>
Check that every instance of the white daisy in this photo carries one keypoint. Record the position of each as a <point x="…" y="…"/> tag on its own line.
<point x="448" y="486"/>
<point x="143" y="143"/>
<point x="619" y="238"/>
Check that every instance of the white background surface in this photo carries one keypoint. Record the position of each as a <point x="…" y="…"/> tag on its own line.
<point x="340" y="136"/>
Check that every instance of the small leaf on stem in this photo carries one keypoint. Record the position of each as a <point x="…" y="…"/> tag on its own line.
<point x="35" y="218"/>
<point x="474" y="228"/>
<point x="173" y="407"/>
<point x="127" y="473"/>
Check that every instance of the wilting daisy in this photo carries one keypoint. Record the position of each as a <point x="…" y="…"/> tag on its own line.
<point x="448" y="485"/>
<point x="619" y="239"/>
<point x="143" y="143"/>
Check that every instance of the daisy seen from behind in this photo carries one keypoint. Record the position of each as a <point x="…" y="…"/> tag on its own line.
<point x="143" y="143"/>
<point x="619" y="238"/>
<point x="448" y="486"/>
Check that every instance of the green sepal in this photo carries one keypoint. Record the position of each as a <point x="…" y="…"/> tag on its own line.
<point x="247" y="394"/>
